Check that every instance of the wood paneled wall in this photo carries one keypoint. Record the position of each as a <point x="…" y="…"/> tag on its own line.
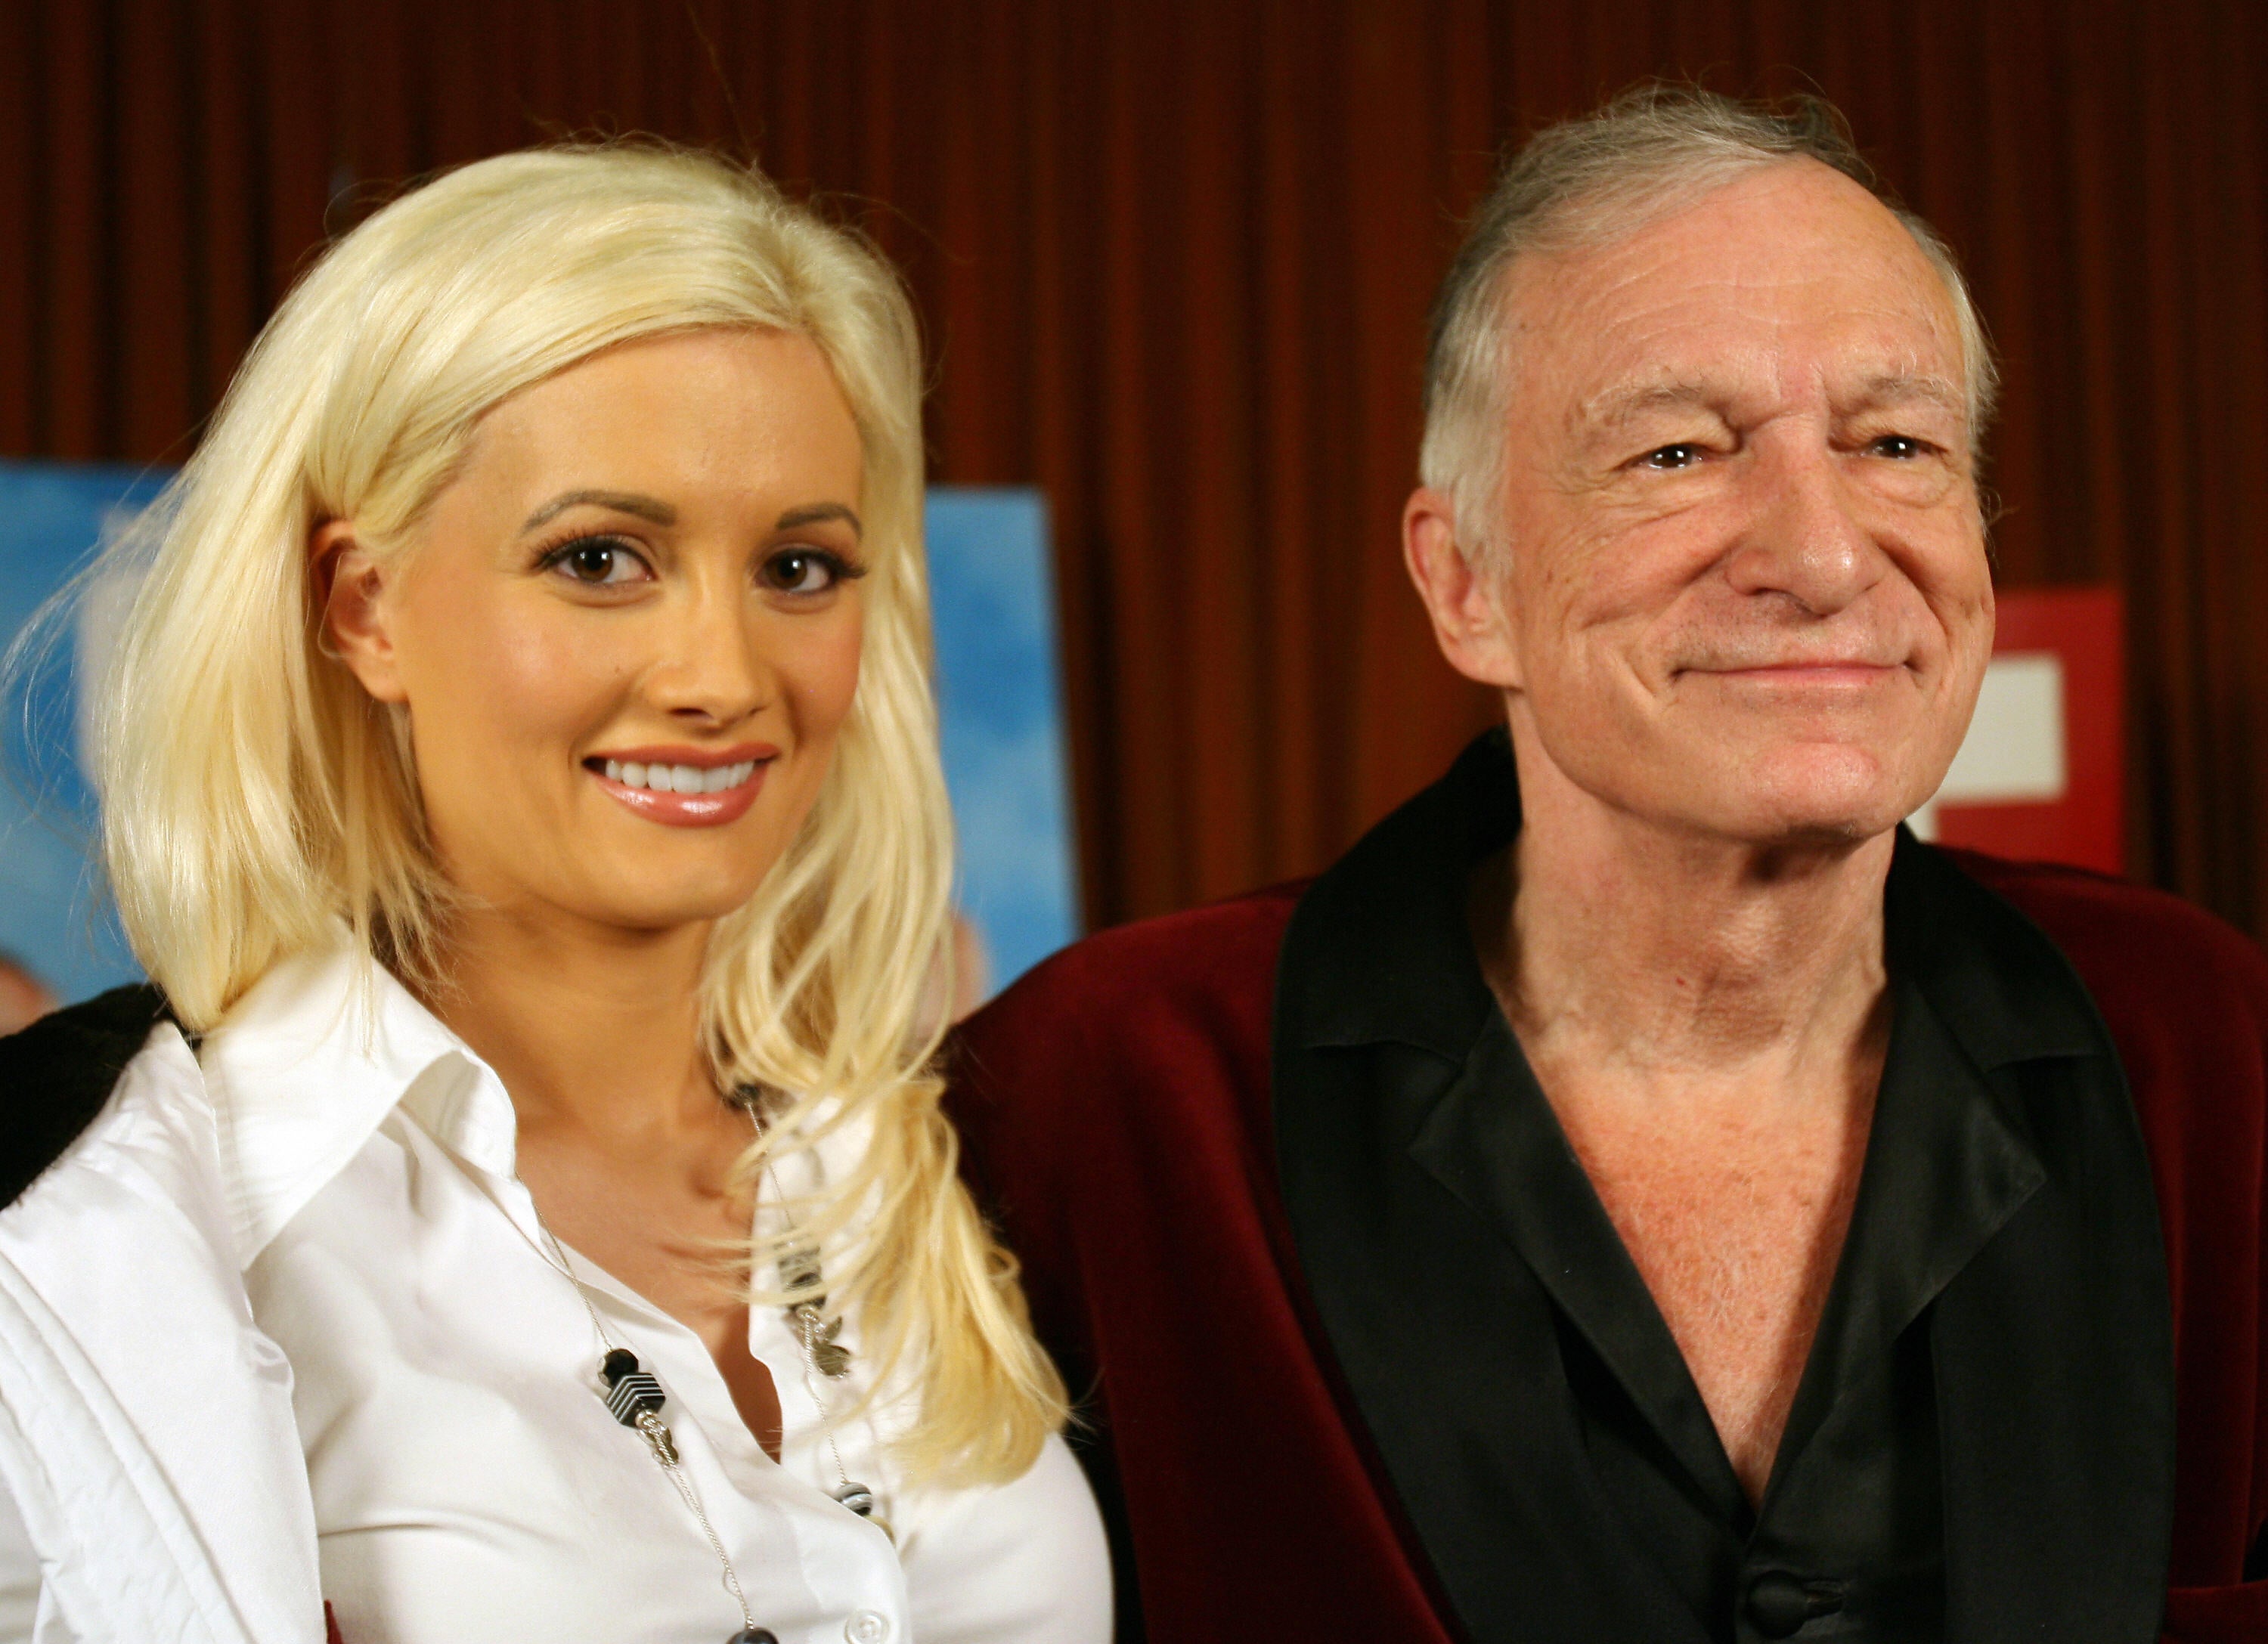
<point x="1175" y="259"/>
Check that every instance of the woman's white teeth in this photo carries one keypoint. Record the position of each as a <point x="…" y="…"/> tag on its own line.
<point x="681" y="778"/>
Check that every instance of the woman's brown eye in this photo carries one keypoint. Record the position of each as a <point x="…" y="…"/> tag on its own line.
<point x="801" y="571"/>
<point x="597" y="562"/>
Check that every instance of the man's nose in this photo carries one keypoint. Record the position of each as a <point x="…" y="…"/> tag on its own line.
<point x="713" y="669"/>
<point x="1805" y="539"/>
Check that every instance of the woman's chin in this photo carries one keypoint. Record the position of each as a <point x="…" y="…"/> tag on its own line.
<point x="662" y="910"/>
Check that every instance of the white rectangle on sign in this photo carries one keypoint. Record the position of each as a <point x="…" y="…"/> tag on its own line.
<point x="2013" y="753"/>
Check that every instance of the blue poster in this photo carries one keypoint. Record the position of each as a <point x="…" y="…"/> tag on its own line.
<point x="1001" y="702"/>
<point x="997" y="682"/>
<point x="55" y="916"/>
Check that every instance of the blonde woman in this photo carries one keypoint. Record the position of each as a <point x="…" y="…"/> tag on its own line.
<point x="520" y="1210"/>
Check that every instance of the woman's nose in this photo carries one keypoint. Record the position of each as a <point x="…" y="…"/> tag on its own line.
<point x="713" y="669"/>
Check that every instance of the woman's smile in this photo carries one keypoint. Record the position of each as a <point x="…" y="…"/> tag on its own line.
<point x="647" y="576"/>
<point x="684" y="787"/>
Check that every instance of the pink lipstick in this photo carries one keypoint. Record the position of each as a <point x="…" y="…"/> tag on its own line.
<point x="682" y="787"/>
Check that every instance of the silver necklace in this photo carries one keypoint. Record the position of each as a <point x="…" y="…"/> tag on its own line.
<point x="635" y="1397"/>
<point x="825" y="1359"/>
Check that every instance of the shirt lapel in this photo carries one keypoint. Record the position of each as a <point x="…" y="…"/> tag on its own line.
<point x="1494" y="1142"/>
<point x="1443" y="1334"/>
<point x="309" y="1062"/>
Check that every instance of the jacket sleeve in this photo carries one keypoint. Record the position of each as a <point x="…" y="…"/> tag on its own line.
<point x="2186" y="999"/>
<point x="163" y="1489"/>
<point x="20" y="1593"/>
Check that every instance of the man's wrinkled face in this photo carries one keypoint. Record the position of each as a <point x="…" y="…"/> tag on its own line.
<point x="1746" y="590"/>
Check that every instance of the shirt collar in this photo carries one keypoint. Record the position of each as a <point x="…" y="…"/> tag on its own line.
<point x="309" y="1062"/>
<point x="1384" y="954"/>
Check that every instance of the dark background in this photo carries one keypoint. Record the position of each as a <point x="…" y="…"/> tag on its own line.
<point x="1173" y="258"/>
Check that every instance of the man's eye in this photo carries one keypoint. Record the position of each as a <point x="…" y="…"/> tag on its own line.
<point x="597" y="562"/>
<point x="803" y="571"/>
<point x="1669" y="459"/>
<point x="1901" y="447"/>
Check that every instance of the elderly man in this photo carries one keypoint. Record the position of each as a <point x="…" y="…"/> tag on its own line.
<point x="1641" y="1193"/>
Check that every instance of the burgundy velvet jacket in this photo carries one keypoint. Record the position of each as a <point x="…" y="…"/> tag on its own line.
<point x="1117" y="1110"/>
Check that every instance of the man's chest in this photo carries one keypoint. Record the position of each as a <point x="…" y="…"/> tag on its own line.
<point x="1736" y="1227"/>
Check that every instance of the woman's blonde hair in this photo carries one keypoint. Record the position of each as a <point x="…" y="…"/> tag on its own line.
<point x="255" y="797"/>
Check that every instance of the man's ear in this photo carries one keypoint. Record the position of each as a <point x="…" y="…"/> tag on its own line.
<point x="1465" y="602"/>
<point x="356" y="611"/>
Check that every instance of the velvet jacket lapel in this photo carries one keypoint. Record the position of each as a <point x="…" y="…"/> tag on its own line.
<point x="1444" y="1333"/>
<point x="2051" y="1342"/>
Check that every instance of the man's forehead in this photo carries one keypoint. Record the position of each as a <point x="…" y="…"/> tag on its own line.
<point x="1712" y="387"/>
<point x="1789" y="278"/>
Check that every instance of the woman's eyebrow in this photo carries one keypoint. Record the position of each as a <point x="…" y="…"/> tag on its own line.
<point x="621" y="501"/>
<point x="810" y="514"/>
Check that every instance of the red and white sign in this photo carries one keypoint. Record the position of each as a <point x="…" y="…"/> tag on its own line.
<point x="2042" y="775"/>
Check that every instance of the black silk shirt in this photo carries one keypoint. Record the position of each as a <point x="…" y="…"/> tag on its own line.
<point x="1996" y="1329"/>
<point x="1848" y="1541"/>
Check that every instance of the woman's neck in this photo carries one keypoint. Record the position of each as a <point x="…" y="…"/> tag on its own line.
<point x="594" y="1029"/>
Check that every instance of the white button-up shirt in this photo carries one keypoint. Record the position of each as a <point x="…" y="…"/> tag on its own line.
<point x="470" y="1484"/>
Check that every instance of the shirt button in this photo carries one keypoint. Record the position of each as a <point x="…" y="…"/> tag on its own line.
<point x="1780" y="1603"/>
<point x="867" y="1626"/>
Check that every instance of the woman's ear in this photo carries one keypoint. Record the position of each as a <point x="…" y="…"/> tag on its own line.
<point x="356" y="610"/>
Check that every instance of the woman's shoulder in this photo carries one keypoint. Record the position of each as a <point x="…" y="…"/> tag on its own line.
<point x="163" y="1469"/>
<point x="57" y="1076"/>
<point x="107" y="1137"/>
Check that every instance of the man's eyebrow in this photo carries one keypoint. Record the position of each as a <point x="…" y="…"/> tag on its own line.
<point x="621" y="501"/>
<point x="811" y="513"/>
<point x="1618" y="406"/>
<point x="1904" y="387"/>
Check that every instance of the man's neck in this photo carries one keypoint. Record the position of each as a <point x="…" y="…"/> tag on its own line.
<point x="1664" y="960"/>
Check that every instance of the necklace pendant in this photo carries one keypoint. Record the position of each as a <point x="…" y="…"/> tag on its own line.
<point x="800" y="1275"/>
<point x="828" y="1356"/>
<point x="860" y="1500"/>
<point x="635" y="1398"/>
<point x="754" y="1635"/>
<point x="630" y="1392"/>
<point x="656" y="1433"/>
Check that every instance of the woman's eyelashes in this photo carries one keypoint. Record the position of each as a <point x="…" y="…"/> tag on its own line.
<point x="597" y="562"/>
<point x="805" y="571"/>
<point x="800" y="571"/>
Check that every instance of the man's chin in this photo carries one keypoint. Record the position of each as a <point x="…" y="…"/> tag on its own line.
<point x="1828" y="794"/>
<point x="1762" y="791"/>
<point x="1814" y="821"/>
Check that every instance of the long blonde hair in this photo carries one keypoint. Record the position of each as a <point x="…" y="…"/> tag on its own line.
<point x="255" y="797"/>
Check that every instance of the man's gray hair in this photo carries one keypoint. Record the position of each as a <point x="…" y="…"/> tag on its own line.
<point x="1588" y="182"/>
